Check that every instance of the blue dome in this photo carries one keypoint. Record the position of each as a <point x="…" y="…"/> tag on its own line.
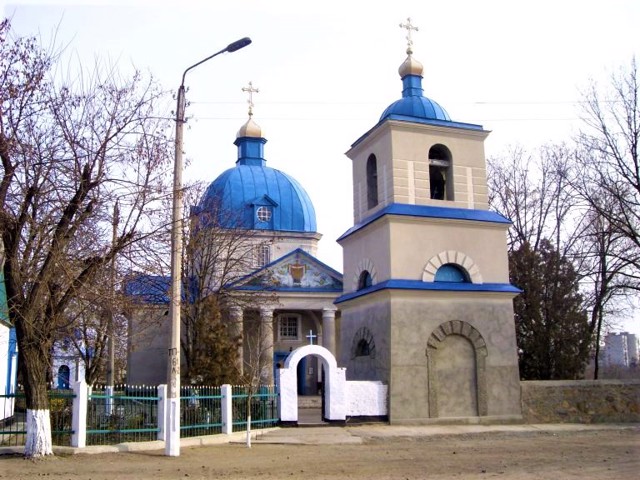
<point x="413" y="106"/>
<point x="416" y="107"/>
<point x="254" y="196"/>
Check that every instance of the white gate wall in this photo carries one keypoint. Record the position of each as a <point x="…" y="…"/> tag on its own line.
<point x="366" y="398"/>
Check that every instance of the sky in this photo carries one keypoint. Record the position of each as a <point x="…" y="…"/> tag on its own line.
<point x="327" y="70"/>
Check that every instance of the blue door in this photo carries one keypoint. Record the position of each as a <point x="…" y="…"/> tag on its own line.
<point x="64" y="375"/>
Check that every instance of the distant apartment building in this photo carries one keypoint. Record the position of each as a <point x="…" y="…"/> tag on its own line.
<point x="621" y="349"/>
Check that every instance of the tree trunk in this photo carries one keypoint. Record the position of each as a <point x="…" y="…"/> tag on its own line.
<point x="248" y="440"/>
<point x="34" y="359"/>
<point x="596" y="367"/>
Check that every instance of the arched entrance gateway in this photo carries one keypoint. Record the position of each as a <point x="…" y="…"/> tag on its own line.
<point x="335" y="404"/>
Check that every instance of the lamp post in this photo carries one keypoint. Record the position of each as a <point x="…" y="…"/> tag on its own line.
<point x="172" y="426"/>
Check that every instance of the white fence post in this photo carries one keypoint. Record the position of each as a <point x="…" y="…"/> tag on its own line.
<point x="227" y="411"/>
<point x="109" y="400"/>
<point x="79" y="415"/>
<point x="162" y="411"/>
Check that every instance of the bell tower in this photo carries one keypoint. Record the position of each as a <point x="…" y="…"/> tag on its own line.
<point x="425" y="266"/>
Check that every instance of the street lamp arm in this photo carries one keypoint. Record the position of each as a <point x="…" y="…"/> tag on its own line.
<point x="232" y="47"/>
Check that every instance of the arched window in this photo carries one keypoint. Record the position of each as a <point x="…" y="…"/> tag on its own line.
<point x="363" y="344"/>
<point x="440" y="173"/>
<point x="365" y="280"/>
<point x="372" y="181"/>
<point x="451" y="273"/>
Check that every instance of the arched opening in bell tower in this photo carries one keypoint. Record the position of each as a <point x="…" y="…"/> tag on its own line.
<point x="372" y="181"/>
<point x="440" y="173"/>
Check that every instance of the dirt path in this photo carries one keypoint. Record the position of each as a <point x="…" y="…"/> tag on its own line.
<point x="608" y="454"/>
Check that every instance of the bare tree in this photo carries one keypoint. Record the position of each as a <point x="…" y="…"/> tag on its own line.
<point x="70" y="149"/>
<point x="603" y="262"/>
<point x="258" y="362"/>
<point x="532" y="190"/>
<point x="609" y="163"/>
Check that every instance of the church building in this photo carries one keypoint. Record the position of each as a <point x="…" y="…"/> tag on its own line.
<point x="283" y="291"/>
<point x="425" y="308"/>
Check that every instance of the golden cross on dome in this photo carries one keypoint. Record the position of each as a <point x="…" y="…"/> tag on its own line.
<point x="250" y="90"/>
<point x="409" y="27"/>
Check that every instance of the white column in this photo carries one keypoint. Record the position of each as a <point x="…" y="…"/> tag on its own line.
<point x="227" y="410"/>
<point x="236" y="320"/>
<point x="79" y="418"/>
<point x="162" y="411"/>
<point x="266" y="345"/>
<point x="329" y="329"/>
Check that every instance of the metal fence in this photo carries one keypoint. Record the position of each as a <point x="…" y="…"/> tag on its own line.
<point x="126" y="413"/>
<point x="13" y="426"/>
<point x="263" y="403"/>
<point x="200" y="411"/>
<point x="129" y="413"/>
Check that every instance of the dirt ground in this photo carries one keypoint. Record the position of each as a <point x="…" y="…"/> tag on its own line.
<point x="606" y="454"/>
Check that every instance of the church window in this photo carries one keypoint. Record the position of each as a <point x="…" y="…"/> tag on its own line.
<point x="363" y="344"/>
<point x="365" y="280"/>
<point x="372" y="181"/>
<point x="263" y="255"/>
<point x="362" y="349"/>
<point x="263" y="214"/>
<point x="440" y="173"/>
<point x="451" y="273"/>
<point x="289" y="327"/>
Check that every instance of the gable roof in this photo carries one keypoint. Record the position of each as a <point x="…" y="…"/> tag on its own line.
<point x="298" y="271"/>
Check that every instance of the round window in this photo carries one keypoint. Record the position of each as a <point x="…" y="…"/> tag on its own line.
<point x="263" y="214"/>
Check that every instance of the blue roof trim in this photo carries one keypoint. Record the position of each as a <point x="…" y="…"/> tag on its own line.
<point x="429" y="211"/>
<point x="249" y="288"/>
<point x="424" y="121"/>
<point x="434" y="121"/>
<point x="418" y="285"/>
<point x="149" y="289"/>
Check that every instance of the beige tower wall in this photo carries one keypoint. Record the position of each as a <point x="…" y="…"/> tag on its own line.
<point x="402" y="152"/>
<point x="402" y="247"/>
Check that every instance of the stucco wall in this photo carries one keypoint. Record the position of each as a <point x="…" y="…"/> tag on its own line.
<point x="581" y="401"/>
<point x="366" y="399"/>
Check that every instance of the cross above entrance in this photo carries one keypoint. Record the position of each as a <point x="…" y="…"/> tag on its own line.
<point x="311" y="336"/>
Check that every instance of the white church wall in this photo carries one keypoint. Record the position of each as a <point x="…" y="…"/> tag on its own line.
<point x="366" y="398"/>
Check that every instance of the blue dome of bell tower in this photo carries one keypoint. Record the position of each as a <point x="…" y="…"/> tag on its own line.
<point x="253" y="196"/>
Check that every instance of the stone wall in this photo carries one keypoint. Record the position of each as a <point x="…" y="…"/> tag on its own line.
<point x="581" y="401"/>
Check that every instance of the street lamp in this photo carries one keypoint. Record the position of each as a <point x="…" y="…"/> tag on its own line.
<point x="172" y="426"/>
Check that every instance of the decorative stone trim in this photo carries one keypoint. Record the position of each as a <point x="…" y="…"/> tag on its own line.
<point x="464" y="329"/>
<point x="460" y="259"/>
<point x="365" y="264"/>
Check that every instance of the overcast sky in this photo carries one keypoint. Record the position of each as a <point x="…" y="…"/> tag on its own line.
<point x="326" y="70"/>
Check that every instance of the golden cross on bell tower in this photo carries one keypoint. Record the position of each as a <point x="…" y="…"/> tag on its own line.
<point x="409" y="27"/>
<point x="250" y="90"/>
